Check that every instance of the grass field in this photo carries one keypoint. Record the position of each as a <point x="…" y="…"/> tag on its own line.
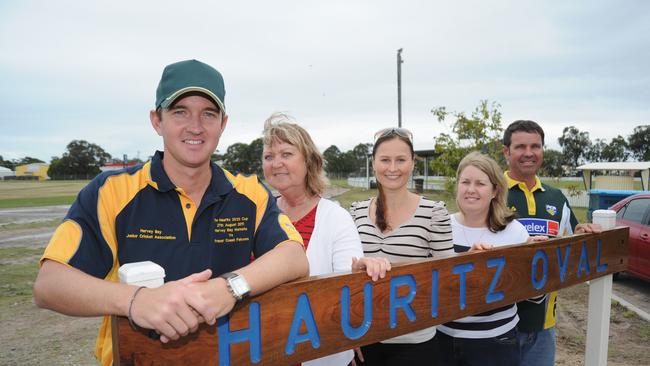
<point x="30" y="193"/>
<point x="48" y="193"/>
<point x="359" y="194"/>
<point x="38" y="336"/>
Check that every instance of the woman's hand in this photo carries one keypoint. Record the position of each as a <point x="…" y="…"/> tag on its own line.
<point x="537" y="239"/>
<point x="375" y="267"/>
<point x="476" y="247"/>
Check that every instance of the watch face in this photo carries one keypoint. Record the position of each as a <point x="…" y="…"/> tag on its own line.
<point x="239" y="285"/>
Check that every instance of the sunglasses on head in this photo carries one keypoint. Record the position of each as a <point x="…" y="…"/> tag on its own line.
<point x="402" y="132"/>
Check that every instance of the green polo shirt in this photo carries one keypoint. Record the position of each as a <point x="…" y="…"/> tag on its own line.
<point x="543" y="210"/>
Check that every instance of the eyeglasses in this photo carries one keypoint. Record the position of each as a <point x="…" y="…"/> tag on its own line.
<point x="385" y="132"/>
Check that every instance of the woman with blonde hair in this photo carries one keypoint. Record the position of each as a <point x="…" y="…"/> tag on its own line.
<point x="402" y="226"/>
<point x="294" y="167"/>
<point x="484" y="222"/>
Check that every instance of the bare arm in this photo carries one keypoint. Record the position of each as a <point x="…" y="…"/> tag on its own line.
<point x="284" y="263"/>
<point x="70" y="291"/>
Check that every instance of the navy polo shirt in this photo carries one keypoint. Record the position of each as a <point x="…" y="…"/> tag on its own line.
<point x="138" y="214"/>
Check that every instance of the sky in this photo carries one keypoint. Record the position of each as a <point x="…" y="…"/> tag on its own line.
<point x="72" y="70"/>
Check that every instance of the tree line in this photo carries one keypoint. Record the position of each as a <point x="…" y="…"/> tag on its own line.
<point x="480" y="130"/>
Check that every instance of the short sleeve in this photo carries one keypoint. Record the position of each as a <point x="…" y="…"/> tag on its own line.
<point x="78" y="241"/>
<point x="275" y="228"/>
<point x="440" y="229"/>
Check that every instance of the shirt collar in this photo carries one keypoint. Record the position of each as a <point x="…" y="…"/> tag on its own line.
<point x="219" y="184"/>
<point x="522" y="185"/>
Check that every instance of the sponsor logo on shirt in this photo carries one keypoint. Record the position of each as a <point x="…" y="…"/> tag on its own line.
<point x="541" y="226"/>
<point x="552" y="210"/>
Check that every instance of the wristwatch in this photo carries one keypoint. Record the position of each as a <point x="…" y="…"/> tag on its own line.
<point x="237" y="285"/>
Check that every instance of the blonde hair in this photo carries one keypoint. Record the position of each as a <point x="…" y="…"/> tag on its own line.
<point x="280" y="127"/>
<point x="499" y="215"/>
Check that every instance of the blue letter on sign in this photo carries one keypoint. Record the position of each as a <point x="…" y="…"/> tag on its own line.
<point x="492" y="296"/>
<point x="303" y="313"/>
<point x="401" y="302"/>
<point x="252" y="334"/>
<point x="461" y="269"/>
<point x="539" y="254"/>
<point x="434" y="293"/>
<point x="350" y="331"/>
<point x="583" y="265"/>
<point x="599" y="267"/>
<point x="562" y="263"/>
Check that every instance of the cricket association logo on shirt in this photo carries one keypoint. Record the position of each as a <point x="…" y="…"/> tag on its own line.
<point x="540" y="226"/>
<point x="552" y="210"/>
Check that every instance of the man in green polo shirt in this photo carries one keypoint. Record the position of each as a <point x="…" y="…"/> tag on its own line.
<point x="543" y="210"/>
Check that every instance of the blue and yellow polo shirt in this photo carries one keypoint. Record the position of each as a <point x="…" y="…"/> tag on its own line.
<point x="138" y="214"/>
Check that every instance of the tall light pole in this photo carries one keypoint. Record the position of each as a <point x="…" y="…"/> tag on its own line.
<point x="399" y="87"/>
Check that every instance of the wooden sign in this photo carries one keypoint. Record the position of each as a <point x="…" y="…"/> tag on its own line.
<point x="314" y="317"/>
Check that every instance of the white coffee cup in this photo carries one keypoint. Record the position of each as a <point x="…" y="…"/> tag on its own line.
<point x="605" y="218"/>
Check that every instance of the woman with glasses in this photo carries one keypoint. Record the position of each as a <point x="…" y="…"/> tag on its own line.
<point x="294" y="167"/>
<point x="401" y="226"/>
<point x="484" y="221"/>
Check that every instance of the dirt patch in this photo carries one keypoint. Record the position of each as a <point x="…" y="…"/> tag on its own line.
<point x="33" y="336"/>
<point x="628" y="334"/>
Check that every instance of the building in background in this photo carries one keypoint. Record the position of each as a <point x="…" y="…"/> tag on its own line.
<point x="37" y="170"/>
<point x="6" y="172"/>
<point x="115" y="166"/>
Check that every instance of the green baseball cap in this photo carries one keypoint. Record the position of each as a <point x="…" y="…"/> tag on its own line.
<point x="190" y="76"/>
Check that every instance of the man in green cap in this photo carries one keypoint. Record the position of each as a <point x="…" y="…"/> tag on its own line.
<point x="198" y="221"/>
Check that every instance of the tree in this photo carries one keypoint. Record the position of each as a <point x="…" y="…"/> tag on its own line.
<point x="236" y="158"/>
<point x="360" y="154"/>
<point x="332" y="156"/>
<point x="595" y="152"/>
<point x="481" y="131"/>
<point x="575" y="145"/>
<point x="552" y="165"/>
<point x="13" y="163"/>
<point x="255" y="151"/>
<point x="243" y="158"/>
<point x="82" y="158"/>
<point x="617" y="150"/>
<point x="6" y="163"/>
<point x="639" y="143"/>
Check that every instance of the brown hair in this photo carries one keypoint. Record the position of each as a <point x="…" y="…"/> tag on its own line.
<point x="499" y="215"/>
<point x="522" y="126"/>
<point x="380" y="210"/>
<point x="280" y="127"/>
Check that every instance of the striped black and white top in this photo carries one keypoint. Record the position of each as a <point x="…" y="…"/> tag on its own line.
<point x="495" y="322"/>
<point x="426" y="234"/>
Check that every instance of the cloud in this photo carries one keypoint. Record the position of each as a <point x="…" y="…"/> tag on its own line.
<point x="73" y="70"/>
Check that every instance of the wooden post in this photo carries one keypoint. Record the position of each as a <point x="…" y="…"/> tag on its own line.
<point x="317" y="316"/>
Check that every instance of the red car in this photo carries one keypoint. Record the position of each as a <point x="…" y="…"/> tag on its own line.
<point x="634" y="211"/>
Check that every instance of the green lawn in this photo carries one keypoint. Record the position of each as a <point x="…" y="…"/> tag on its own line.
<point x="18" y="268"/>
<point x="360" y="194"/>
<point x="31" y="193"/>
